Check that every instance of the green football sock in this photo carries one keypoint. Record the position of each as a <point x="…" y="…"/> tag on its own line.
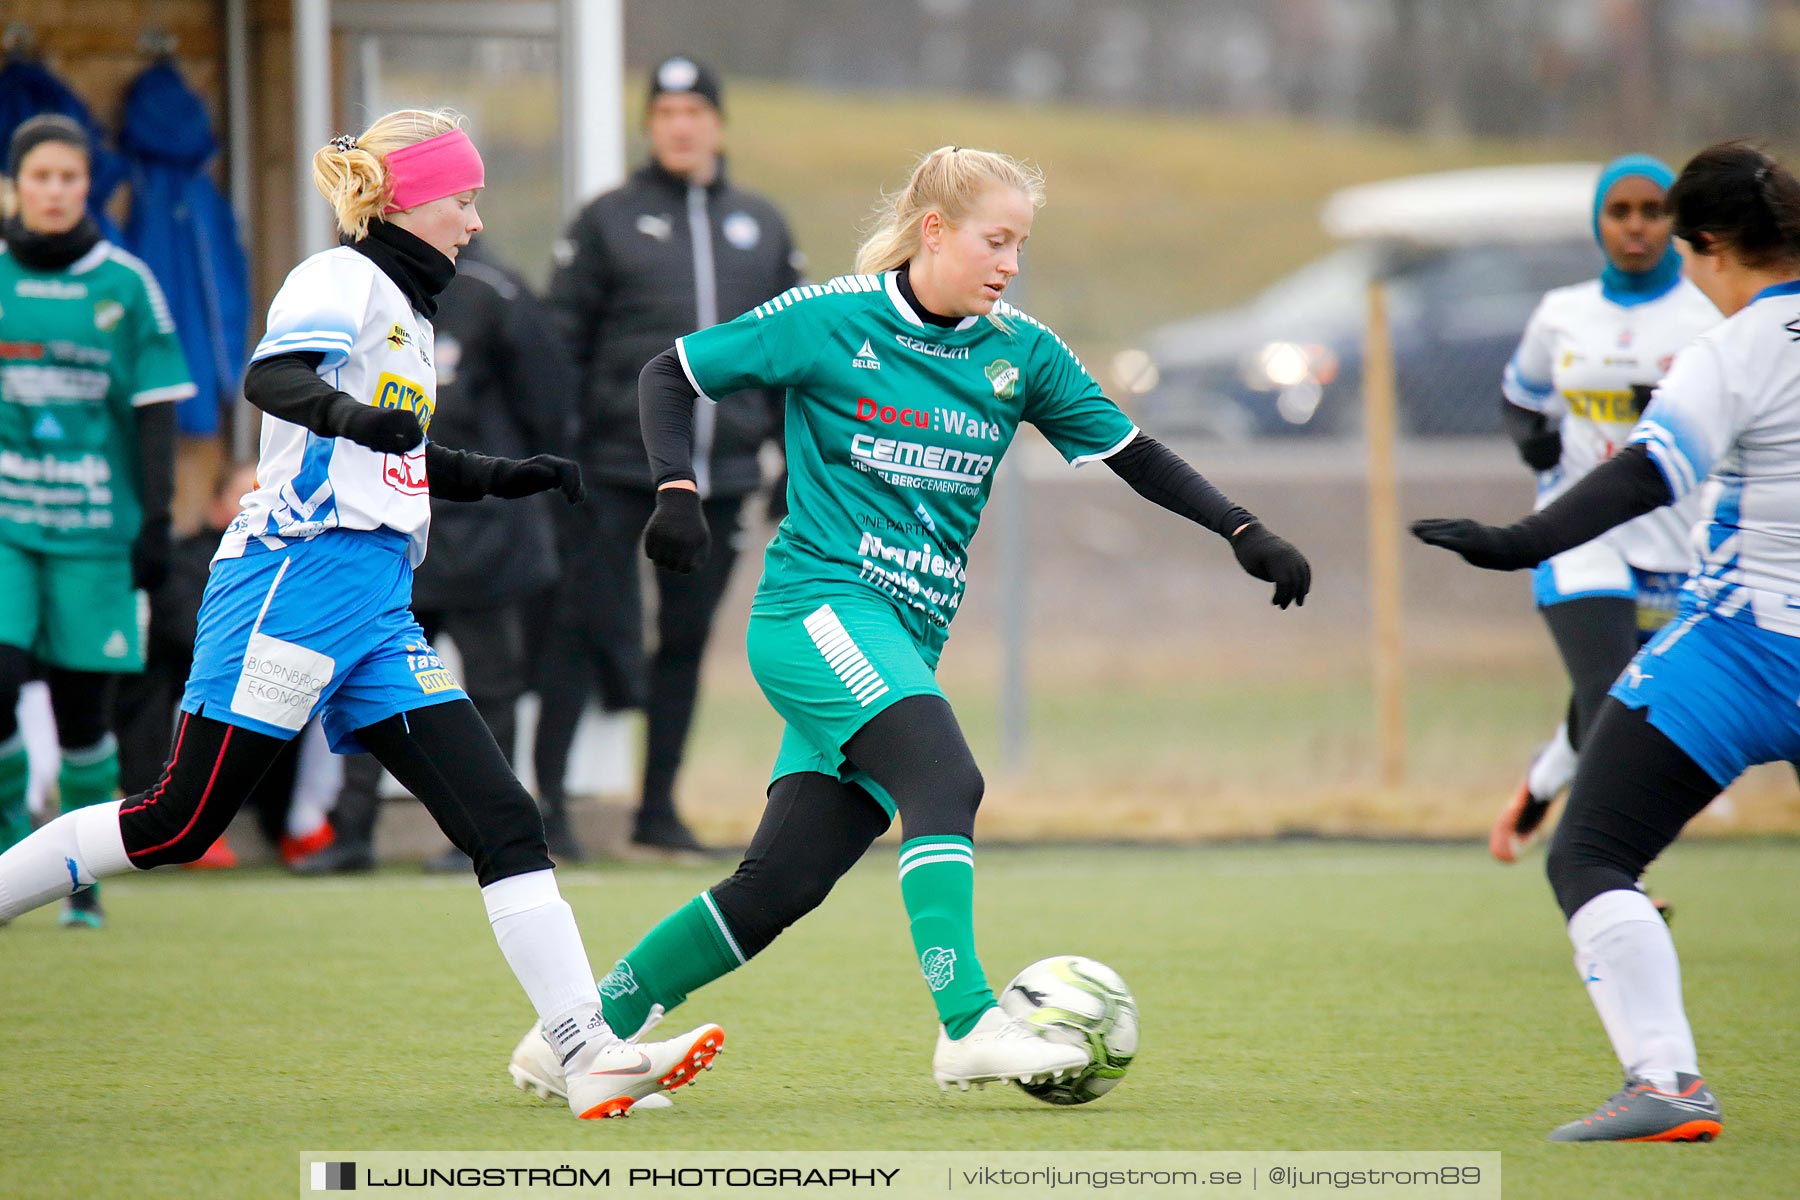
<point x="15" y="777"/>
<point x="937" y="883"/>
<point x="688" y="949"/>
<point x="89" y="776"/>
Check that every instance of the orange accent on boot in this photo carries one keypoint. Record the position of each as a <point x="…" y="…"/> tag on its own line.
<point x="218" y="857"/>
<point x="1687" y="1131"/>
<point x="1503" y="841"/>
<point x="293" y="849"/>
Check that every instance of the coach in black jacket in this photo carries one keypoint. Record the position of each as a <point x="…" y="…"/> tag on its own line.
<point x="675" y="249"/>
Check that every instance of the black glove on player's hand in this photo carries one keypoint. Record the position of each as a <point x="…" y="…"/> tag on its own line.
<point x="676" y="539"/>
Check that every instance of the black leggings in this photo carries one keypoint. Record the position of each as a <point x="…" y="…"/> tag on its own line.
<point x="1597" y="638"/>
<point x="1633" y="794"/>
<point x="81" y="700"/>
<point x="816" y="827"/>
<point x="443" y="754"/>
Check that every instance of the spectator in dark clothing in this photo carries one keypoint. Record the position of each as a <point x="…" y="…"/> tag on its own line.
<point x="676" y="248"/>
<point x="505" y="387"/>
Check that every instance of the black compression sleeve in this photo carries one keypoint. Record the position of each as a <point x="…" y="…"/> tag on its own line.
<point x="1521" y="424"/>
<point x="1161" y="476"/>
<point x="666" y="412"/>
<point x="156" y="460"/>
<point x="458" y="474"/>
<point x="1627" y="485"/>
<point x="289" y="386"/>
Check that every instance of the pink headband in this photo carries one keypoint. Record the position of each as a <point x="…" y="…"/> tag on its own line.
<point x="432" y="169"/>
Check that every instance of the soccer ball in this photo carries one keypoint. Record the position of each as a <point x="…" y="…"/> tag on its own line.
<point x="1078" y="1002"/>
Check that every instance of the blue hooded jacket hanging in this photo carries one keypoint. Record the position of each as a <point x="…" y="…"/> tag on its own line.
<point x="186" y="232"/>
<point x="28" y="89"/>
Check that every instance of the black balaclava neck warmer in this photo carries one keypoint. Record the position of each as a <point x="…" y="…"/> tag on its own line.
<point x="418" y="269"/>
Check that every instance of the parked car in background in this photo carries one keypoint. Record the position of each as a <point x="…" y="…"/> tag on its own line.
<point x="1465" y="255"/>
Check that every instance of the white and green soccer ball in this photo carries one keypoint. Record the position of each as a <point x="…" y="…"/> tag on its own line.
<point x="1078" y="1002"/>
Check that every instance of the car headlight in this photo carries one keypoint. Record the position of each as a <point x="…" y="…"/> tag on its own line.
<point x="1278" y="366"/>
<point x="1135" y="372"/>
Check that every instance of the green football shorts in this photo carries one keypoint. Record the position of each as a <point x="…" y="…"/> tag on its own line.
<point x="827" y="669"/>
<point x="78" y="613"/>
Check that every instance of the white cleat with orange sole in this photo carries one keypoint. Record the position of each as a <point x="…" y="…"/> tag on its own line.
<point x="534" y="1066"/>
<point x="1001" y="1048"/>
<point x="624" y="1074"/>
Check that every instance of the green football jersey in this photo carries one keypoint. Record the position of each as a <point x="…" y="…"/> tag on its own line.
<point x="79" y="348"/>
<point x="894" y="429"/>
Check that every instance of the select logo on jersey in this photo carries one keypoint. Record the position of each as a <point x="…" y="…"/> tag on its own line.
<point x="107" y="315"/>
<point x="865" y="358"/>
<point x="1004" y="376"/>
<point x="393" y="391"/>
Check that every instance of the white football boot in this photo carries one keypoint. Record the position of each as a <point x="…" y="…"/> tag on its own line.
<point x="1001" y="1048"/>
<point x="534" y="1067"/>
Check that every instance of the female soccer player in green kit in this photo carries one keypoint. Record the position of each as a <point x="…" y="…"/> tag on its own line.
<point x="89" y="369"/>
<point x="905" y="384"/>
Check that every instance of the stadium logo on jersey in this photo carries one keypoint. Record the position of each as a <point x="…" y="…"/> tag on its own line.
<point x="49" y="289"/>
<point x="405" y="473"/>
<point x="107" y="315"/>
<point x="397" y="336"/>
<point x="619" y="981"/>
<point x="939" y="965"/>
<point x="865" y="358"/>
<point x="653" y="226"/>
<point x="393" y="391"/>
<point x="1004" y="376"/>
<point x="742" y="230"/>
<point x="931" y="348"/>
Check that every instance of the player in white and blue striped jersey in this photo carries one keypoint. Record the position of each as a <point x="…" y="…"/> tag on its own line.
<point x="1573" y="391"/>
<point x="1714" y="692"/>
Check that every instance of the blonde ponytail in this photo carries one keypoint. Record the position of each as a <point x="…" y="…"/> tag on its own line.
<point x="351" y="173"/>
<point x="948" y="181"/>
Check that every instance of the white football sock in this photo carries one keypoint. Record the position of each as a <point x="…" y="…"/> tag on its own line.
<point x="1554" y="767"/>
<point x="73" y="851"/>
<point x="536" y="931"/>
<point x="1626" y="957"/>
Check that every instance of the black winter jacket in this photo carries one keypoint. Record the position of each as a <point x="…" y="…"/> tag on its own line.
<point x="632" y="277"/>
<point x="505" y="388"/>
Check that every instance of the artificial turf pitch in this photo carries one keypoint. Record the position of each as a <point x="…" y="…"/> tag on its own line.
<point x="1306" y="996"/>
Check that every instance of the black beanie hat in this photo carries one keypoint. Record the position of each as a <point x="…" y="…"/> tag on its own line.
<point x="35" y="131"/>
<point x="683" y="74"/>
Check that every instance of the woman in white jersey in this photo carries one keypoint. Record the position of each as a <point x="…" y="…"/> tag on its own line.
<point x="1713" y="693"/>
<point x="1573" y="390"/>
<point x="306" y="609"/>
<point x="905" y="385"/>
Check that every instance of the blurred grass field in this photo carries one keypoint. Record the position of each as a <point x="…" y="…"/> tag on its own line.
<point x="1301" y="996"/>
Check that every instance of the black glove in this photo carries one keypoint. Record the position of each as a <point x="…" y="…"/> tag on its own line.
<point x="516" y="477"/>
<point x="1274" y="560"/>
<point x="676" y="539"/>
<point x="150" y="554"/>
<point x="1492" y="547"/>
<point x="1542" y="450"/>
<point x="385" y="430"/>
